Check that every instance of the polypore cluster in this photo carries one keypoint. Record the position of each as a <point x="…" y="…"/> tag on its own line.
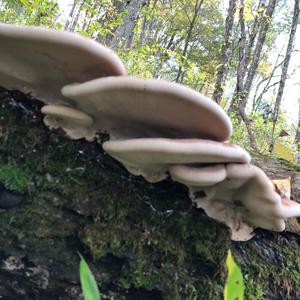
<point x="156" y="129"/>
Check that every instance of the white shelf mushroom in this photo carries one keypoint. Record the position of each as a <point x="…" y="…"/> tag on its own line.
<point x="74" y="122"/>
<point x="41" y="61"/>
<point x="198" y="176"/>
<point x="155" y="127"/>
<point x="128" y="107"/>
<point x="151" y="157"/>
<point x="244" y="200"/>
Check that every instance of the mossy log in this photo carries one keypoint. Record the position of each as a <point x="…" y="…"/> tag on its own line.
<point x="142" y="241"/>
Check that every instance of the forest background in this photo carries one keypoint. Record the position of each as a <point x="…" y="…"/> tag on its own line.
<point x="242" y="53"/>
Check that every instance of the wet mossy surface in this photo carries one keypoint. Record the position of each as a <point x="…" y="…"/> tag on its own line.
<point x="142" y="241"/>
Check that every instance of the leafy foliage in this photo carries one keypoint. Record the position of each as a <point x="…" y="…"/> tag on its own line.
<point x="37" y="12"/>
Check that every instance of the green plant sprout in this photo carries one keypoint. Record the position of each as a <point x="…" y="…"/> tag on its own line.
<point x="88" y="283"/>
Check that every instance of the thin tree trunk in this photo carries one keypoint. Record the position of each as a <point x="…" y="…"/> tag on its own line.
<point x="125" y="33"/>
<point x="267" y="17"/>
<point x="147" y="25"/>
<point x="241" y="69"/>
<point x="255" y="29"/>
<point x="76" y="19"/>
<point x="198" y="5"/>
<point x="118" y="6"/>
<point x="247" y="47"/>
<point x="297" y="138"/>
<point x="225" y="52"/>
<point x="257" y="100"/>
<point x="90" y="17"/>
<point x="284" y="72"/>
<point x="71" y="15"/>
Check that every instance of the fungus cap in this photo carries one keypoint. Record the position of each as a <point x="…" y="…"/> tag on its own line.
<point x="74" y="122"/>
<point x="198" y="176"/>
<point x="246" y="198"/>
<point x="128" y="107"/>
<point x="41" y="61"/>
<point x="155" y="155"/>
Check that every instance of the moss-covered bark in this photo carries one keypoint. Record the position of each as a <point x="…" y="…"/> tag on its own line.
<point x="143" y="241"/>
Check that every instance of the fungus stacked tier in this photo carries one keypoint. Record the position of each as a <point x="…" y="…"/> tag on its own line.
<point x="156" y="129"/>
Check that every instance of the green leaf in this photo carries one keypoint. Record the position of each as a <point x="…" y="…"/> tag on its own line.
<point x="234" y="288"/>
<point x="88" y="282"/>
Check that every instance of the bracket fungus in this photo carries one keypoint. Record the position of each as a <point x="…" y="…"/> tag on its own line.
<point x="195" y="176"/>
<point x="74" y="122"/>
<point x="152" y="157"/>
<point x="156" y="128"/>
<point x="128" y="107"/>
<point x="245" y="199"/>
<point x="41" y="61"/>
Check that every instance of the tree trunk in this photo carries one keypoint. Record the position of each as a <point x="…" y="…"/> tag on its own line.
<point x="258" y="49"/>
<point x="257" y="99"/>
<point x="225" y="52"/>
<point x="297" y="137"/>
<point x="148" y="25"/>
<point x="242" y="98"/>
<point x="71" y="15"/>
<point x="118" y="6"/>
<point x="125" y="33"/>
<point x="284" y="71"/>
<point x="142" y="240"/>
<point x="241" y="69"/>
<point x="255" y="29"/>
<point x="76" y="18"/>
<point x="247" y="47"/>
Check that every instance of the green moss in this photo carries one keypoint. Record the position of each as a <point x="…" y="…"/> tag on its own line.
<point x="254" y="290"/>
<point x="276" y="266"/>
<point x="13" y="177"/>
<point x="81" y="200"/>
<point x="141" y="276"/>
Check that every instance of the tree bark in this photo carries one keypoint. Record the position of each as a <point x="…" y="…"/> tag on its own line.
<point x="71" y="15"/>
<point x="141" y="240"/>
<point x="225" y="52"/>
<point x="258" y="50"/>
<point x="255" y="29"/>
<point x="285" y="68"/>
<point x="148" y="24"/>
<point x="75" y="20"/>
<point x="125" y="33"/>
<point x="240" y="100"/>
<point x="241" y="71"/>
<point x="246" y="47"/>
<point x="257" y="99"/>
<point x="297" y="137"/>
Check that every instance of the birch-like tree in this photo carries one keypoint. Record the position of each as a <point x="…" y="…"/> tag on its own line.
<point x="225" y="52"/>
<point x="124" y="34"/>
<point x="285" y="67"/>
<point x="246" y="74"/>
